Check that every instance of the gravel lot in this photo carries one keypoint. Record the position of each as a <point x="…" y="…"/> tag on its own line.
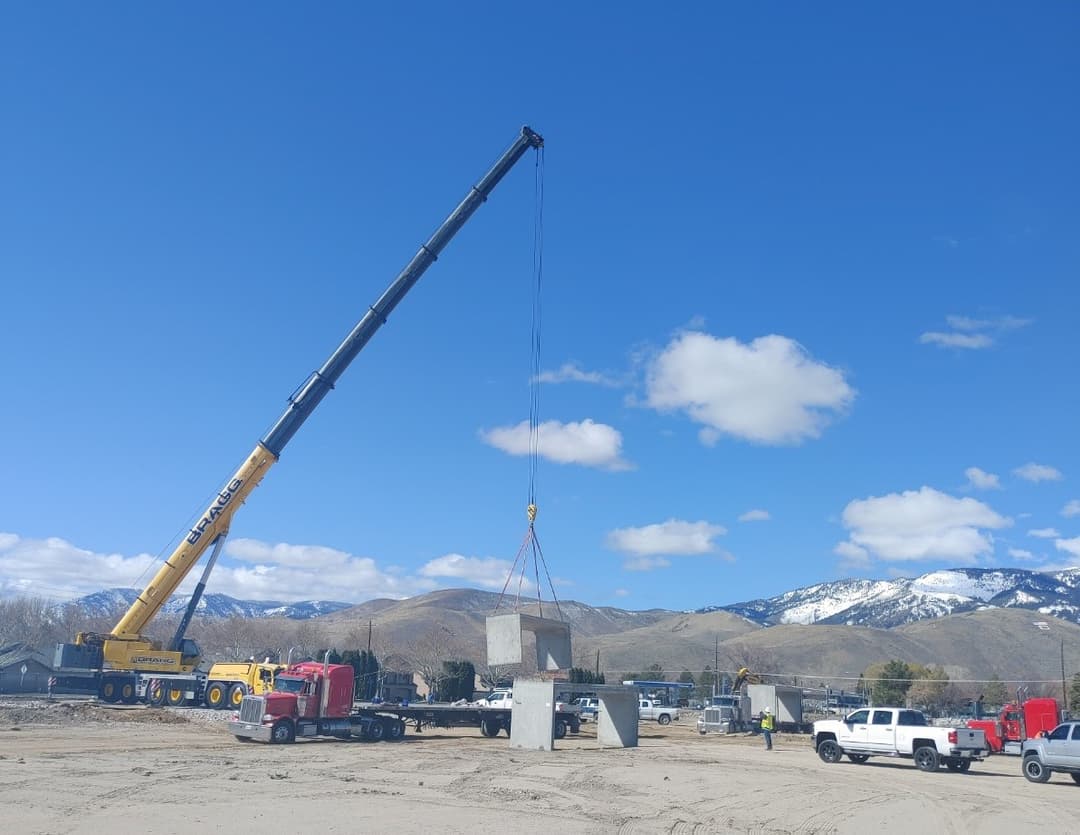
<point x="83" y="768"/>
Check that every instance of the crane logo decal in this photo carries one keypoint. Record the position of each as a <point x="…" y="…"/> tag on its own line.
<point x="216" y="509"/>
<point x="152" y="659"/>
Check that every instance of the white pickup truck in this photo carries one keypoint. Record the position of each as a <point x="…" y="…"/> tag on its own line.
<point x="653" y="709"/>
<point x="898" y="732"/>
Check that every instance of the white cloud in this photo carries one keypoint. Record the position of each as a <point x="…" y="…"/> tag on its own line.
<point x="973" y="341"/>
<point x="488" y="572"/>
<point x="284" y="571"/>
<point x="586" y="442"/>
<point x="571" y="373"/>
<point x="982" y="480"/>
<point x="1070" y="546"/>
<point x="921" y="524"/>
<point x="55" y="569"/>
<point x="645" y="563"/>
<point x="1021" y="554"/>
<point x="768" y="391"/>
<point x="622" y="592"/>
<point x="671" y="538"/>
<point x="970" y="333"/>
<point x="853" y="556"/>
<point x="1038" y="472"/>
<point x="1044" y="533"/>
<point x="1071" y="509"/>
<point x="755" y="516"/>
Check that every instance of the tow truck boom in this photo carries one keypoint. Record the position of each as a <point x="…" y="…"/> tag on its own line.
<point x="125" y="649"/>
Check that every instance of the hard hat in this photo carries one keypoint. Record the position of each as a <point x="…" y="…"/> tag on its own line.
<point x="768" y="711"/>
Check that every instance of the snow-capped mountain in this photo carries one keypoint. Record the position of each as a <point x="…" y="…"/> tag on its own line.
<point x="113" y="601"/>
<point x="887" y="603"/>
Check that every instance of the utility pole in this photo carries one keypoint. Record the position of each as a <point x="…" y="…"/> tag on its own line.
<point x="1064" y="692"/>
<point x="598" y="665"/>
<point x="369" y="637"/>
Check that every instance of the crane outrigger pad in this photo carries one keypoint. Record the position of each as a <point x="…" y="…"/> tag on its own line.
<point x="504" y="641"/>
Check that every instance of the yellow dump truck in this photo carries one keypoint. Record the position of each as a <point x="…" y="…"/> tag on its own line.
<point x="227" y="684"/>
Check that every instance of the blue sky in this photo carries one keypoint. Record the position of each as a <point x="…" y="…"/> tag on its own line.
<point x="809" y="293"/>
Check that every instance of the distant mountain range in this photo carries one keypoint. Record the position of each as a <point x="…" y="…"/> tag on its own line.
<point x="112" y="601"/>
<point x="856" y="602"/>
<point x="888" y="603"/>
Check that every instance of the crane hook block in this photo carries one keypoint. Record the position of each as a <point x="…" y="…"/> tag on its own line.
<point x="531" y="510"/>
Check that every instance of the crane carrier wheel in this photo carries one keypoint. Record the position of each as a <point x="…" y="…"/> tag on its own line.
<point x="216" y="695"/>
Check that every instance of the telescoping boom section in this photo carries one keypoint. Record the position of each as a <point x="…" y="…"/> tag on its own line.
<point x="125" y="648"/>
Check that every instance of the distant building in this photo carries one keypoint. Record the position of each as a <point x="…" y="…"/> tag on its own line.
<point x="23" y="670"/>
<point x="397" y="687"/>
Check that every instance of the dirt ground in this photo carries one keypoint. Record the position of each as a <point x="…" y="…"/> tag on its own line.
<point x="86" y="769"/>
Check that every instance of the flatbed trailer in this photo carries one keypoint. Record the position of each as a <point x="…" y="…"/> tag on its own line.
<point x="490" y="720"/>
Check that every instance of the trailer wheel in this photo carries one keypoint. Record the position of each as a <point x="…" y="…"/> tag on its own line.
<point x="829" y="751"/>
<point x="490" y="727"/>
<point x="1076" y="777"/>
<point x="376" y="731"/>
<point x="283" y="732"/>
<point x="664" y="719"/>
<point x="236" y="695"/>
<point x="1034" y="770"/>
<point x="575" y="725"/>
<point x="559" y="730"/>
<point x="926" y="758"/>
<point x="394" y="729"/>
<point x="506" y="727"/>
<point x="215" y="695"/>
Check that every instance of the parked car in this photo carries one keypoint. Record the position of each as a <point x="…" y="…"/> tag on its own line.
<point x="1057" y="750"/>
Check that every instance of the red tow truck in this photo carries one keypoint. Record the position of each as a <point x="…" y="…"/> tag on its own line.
<point x="312" y="700"/>
<point x="1017" y="722"/>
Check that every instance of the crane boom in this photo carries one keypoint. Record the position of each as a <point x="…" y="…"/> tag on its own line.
<point x="214" y="522"/>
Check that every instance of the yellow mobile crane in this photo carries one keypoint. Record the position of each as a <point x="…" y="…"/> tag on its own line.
<point x="124" y="663"/>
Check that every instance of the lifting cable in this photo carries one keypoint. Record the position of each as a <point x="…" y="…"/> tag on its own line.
<point x="530" y="546"/>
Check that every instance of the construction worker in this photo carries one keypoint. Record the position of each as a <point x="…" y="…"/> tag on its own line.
<point x="768" y="725"/>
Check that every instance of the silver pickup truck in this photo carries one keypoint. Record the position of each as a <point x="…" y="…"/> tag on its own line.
<point x="1059" y="750"/>
<point x="898" y="732"/>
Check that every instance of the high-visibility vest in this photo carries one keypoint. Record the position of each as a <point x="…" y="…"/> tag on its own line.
<point x="767" y="722"/>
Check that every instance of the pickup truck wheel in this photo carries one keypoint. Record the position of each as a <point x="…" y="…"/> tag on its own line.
<point x="1034" y="770"/>
<point x="283" y="732"/>
<point x="664" y="719"/>
<point x="926" y="758"/>
<point x="858" y="758"/>
<point x="829" y="751"/>
<point x="559" y="729"/>
<point x="957" y="765"/>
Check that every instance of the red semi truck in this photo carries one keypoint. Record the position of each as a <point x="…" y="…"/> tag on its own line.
<point x="1018" y="722"/>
